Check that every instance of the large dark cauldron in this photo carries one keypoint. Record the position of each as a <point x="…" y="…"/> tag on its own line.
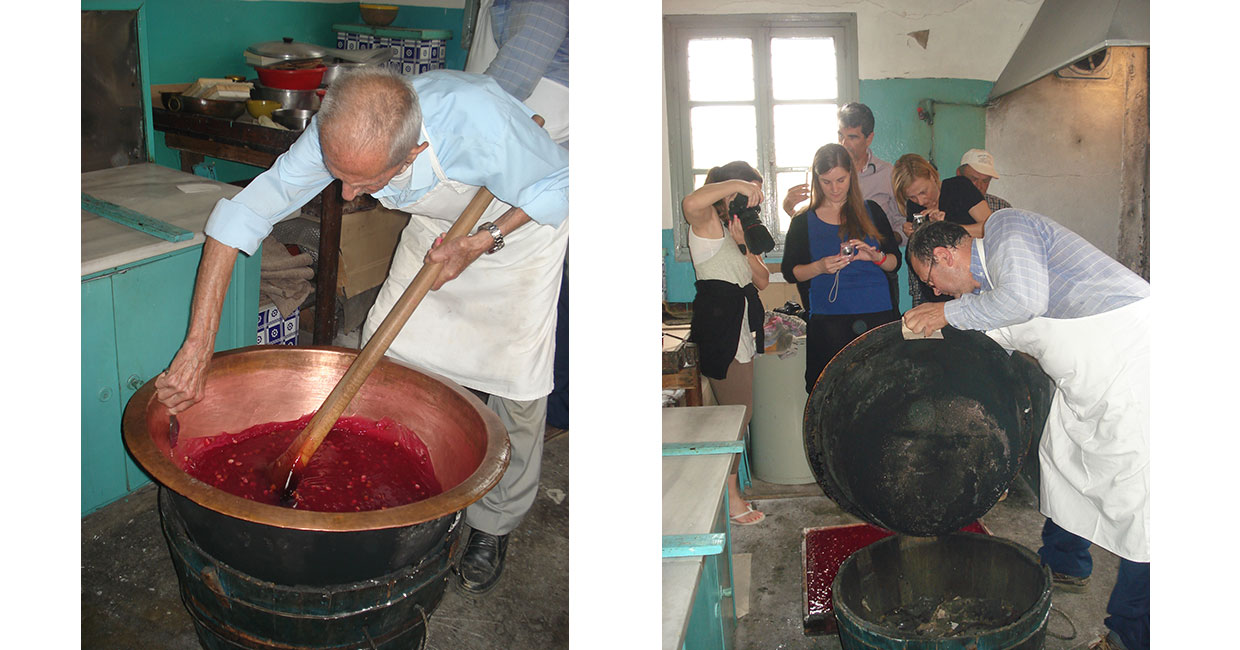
<point x="921" y="437"/>
<point x="315" y="558"/>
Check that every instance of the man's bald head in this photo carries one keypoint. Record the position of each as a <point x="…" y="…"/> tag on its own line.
<point x="371" y="114"/>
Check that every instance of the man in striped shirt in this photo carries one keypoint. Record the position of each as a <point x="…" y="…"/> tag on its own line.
<point x="1037" y="287"/>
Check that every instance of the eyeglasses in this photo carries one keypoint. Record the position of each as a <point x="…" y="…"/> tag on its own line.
<point x="930" y="272"/>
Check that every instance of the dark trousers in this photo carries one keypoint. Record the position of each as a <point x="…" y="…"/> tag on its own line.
<point x="1129" y="606"/>
<point x="827" y="334"/>
<point x="557" y="401"/>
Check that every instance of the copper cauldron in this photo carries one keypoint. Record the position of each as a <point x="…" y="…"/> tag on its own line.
<point x="467" y="442"/>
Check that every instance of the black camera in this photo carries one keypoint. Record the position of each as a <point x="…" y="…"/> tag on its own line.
<point x="920" y="219"/>
<point x="757" y="237"/>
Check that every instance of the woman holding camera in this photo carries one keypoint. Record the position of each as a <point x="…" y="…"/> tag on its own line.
<point x="727" y="313"/>
<point x="918" y="192"/>
<point x="838" y="250"/>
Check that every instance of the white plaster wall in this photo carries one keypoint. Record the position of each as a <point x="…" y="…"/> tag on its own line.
<point x="969" y="39"/>
<point x="1058" y="147"/>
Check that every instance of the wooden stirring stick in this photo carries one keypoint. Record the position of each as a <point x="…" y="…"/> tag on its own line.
<point x="284" y="469"/>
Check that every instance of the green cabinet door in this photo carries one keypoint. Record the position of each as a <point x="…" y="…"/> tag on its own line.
<point x="101" y="399"/>
<point x="151" y="305"/>
<point x="134" y="319"/>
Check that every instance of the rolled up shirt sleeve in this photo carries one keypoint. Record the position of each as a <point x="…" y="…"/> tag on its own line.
<point x="534" y="176"/>
<point x="296" y="177"/>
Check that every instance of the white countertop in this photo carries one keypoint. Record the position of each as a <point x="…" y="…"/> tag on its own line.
<point x="169" y="195"/>
<point x="680" y="581"/>
<point x="703" y="423"/>
<point x="693" y="493"/>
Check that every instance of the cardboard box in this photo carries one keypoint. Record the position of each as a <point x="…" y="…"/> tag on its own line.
<point x="368" y="240"/>
<point x="275" y="329"/>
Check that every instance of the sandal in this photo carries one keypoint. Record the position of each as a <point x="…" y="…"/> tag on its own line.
<point x="736" y="519"/>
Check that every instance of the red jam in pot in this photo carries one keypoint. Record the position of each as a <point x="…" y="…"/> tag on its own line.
<point x="362" y="464"/>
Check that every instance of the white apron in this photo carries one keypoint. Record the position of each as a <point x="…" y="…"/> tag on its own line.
<point x="549" y="99"/>
<point x="492" y="328"/>
<point x="1095" y="451"/>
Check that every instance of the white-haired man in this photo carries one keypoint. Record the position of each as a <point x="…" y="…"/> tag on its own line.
<point x="423" y="145"/>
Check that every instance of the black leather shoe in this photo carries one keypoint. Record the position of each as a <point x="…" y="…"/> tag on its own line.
<point x="482" y="562"/>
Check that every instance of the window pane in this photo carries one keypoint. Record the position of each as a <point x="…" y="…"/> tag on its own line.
<point x="803" y="68"/>
<point x="783" y="182"/>
<point x="722" y="134"/>
<point x="720" y="69"/>
<point x="800" y="129"/>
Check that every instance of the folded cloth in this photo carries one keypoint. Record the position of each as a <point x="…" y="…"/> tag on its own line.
<point x="284" y="278"/>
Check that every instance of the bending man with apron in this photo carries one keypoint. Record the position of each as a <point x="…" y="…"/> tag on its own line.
<point x="424" y="145"/>
<point x="1037" y="287"/>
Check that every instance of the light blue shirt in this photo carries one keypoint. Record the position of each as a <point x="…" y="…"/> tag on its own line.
<point x="481" y="135"/>
<point x="1040" y="269"/>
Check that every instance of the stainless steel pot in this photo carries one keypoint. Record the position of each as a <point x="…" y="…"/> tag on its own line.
<point x="337" y="68"/>
<point x="293" y="118"/>
<point x="287" y="49"/>
<point x="289" y="99"/>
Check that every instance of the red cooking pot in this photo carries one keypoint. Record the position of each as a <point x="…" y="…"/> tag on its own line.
<point x="292" y="79"/>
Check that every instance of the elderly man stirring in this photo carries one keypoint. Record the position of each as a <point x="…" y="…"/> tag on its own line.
<point x="1037" y="287"/>
<point x="423" y="145"/>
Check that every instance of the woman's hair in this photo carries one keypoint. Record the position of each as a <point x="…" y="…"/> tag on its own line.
<point x="907" y="169"/>
<point x="735" y="170"/>
<point x="855" y="220"/>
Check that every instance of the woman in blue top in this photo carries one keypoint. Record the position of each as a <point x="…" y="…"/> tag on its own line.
<point x="846" y="293"/>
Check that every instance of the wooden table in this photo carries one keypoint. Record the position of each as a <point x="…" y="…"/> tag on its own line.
<point x="697" y="607"/>
<point x="689" y="377"/>
<point x="196" y="136"/>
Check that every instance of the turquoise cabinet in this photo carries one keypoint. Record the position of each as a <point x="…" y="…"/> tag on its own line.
<point x="712" y="620"/>
<point x="134" y="319"/>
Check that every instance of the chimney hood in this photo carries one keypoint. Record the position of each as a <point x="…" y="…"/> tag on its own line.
<point x="1066" y="31"/>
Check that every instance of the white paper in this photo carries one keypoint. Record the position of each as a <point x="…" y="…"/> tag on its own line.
<point x="197" y="188"/>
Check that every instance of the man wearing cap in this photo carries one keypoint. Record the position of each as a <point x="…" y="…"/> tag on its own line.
<point x="1037" y="287"/>
<point x="978" y="166"/>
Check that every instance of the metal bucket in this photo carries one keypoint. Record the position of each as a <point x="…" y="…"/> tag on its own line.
<point x="467" y="443"/>
<point x="905" y="571"/>
<point x="920" y="437"/>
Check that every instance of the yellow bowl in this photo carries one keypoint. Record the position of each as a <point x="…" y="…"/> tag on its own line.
<point x="378" y="15"/>
<point x="261" y="107"/>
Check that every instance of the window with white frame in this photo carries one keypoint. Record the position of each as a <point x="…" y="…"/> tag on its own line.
<point x="760" y="88"/>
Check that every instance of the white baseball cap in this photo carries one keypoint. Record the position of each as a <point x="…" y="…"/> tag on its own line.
<point x="980" y="160"/>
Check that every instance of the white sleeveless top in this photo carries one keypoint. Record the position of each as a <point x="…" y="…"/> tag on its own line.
<point x="712" y="260"/>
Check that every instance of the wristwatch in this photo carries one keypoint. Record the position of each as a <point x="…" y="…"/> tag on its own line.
<point x="495" y="234"/>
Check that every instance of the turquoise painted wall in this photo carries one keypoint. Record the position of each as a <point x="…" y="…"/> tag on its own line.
<point x="186" y="40"/>
<point x="959" y="125"/>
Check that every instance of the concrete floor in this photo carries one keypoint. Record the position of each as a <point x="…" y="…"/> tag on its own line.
<point x="776" y="581"/>
<point x="130" y="597"/>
